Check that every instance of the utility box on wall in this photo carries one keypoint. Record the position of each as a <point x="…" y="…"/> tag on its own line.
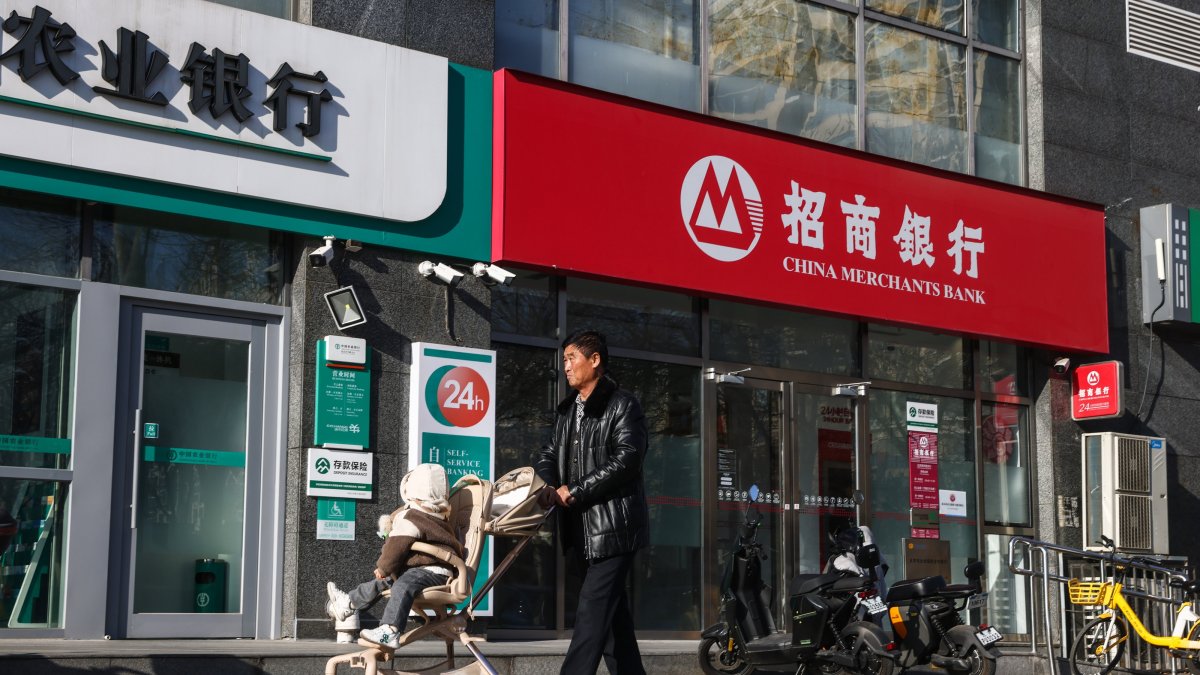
<point x="1125" y="492"/>
<point x="1168" y="282"/>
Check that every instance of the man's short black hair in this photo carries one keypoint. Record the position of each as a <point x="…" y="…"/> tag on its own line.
<point x="589" y="342"/>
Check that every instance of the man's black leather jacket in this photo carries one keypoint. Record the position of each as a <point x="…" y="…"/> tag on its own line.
<point x="610" y="489"/>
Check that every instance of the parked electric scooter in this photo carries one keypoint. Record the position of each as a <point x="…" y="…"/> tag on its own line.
<point x="825" y="633"/>
<point x="928" y="629"/>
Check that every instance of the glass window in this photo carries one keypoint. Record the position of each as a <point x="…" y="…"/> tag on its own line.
<point x="635" y="48"/>
<point x="1008" y="604"/>
<point x="997" y="22"/>
<point x="39" y="234"/>
<point x="944" y="14"/>
<point x="782" y="338"/>
<point x="36" y="330"/>
<point x="526" y="399"/>
<point x="528" y="306"/>
<point x="666" y="585"/>
<point x="527" y="36"/>
<point x="997" y="118"/>
<point x="890" y="477"/>
<point x="279" y="8"/>
<point x="636" y="318"/>
<point x="916" y="97"/>
<point x="31" y="546"/>
<point x="1004" y="433"/>
<point x="188" y="255"/>
<point x="1002" y="368"/>
<point x="907" y="355"/>
<point x="784" y="66"/>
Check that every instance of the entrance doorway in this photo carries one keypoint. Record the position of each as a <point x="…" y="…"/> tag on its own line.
<point x="795" y="442"/>
<point x="193" y="404"/>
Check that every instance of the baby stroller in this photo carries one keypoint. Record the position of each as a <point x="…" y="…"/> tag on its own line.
<point x="507" y="508"/>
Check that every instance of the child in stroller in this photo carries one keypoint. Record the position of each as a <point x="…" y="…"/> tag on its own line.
<point x="423" y="517"/>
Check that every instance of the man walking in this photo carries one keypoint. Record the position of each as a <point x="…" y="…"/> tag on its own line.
<point x="593" y="472"/>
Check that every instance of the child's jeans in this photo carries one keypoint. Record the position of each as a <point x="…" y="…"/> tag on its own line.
<point x="404" y="590"/>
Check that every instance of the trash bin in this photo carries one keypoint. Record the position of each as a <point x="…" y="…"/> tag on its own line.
<point x="212" y="575"/>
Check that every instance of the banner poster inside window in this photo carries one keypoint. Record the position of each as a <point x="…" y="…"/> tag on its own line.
<point x="924" y="497"/>
<point x="452" y="420"/>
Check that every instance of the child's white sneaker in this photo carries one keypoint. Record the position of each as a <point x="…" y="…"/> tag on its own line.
<point x="382" y="635"/>
<point x="338" y="607"/>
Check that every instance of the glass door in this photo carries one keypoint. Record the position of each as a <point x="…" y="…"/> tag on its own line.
<point x="195" y="388"/>
<point x="823" y="469"/>
<point x="749" y="444"/>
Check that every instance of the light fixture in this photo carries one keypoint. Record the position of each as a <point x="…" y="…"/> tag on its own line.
<point x="492" y="274"/>
<point x="343" y="305"/>
<point x="441" y="271"/>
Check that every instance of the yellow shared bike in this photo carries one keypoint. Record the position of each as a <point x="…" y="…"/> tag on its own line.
<point x="1099" y="646"/>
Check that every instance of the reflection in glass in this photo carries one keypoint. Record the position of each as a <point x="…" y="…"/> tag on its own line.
<point x="277" y="8"/>
<point x="527" y="36"/>
<point x="1004" y="434"/>
<point x="782" y="338"/>
<point x="528" y="306"/>
<point x="1002" y="368"/>
<point x="997" y="22"/>
<point x="889" y="460"/>
<point x="636" y="318"/>
<point x="784" y="66"/>
<point x="188" y="255"/>
<point x="944" y="14"/>
<point x="997" y="118"/>
<point x="908" y="355"/>
<point x="1008" y="606"/>
<point x="525" y="403"/>
<point x="666" y="582"/>
<point x="824" y="471"/>
<point x="38" y="234"/>
<point x="639" y="49"/>
<point x="191" y="488"/>
<point x="916" y="97"/>
<point x="749" y="435"/>
<point x="36" y="330"/>
<point x="31" y="547"/>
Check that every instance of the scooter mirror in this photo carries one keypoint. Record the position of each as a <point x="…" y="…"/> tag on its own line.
<point x="754" y="493"/>
<point x="974" y="570"/>
<point x="859" y="497"/>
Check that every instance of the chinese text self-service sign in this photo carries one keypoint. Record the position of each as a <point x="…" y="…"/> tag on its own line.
<point x="1096" y="391"/>
<point x="452" y="417"/>
<point x="194" y="93"/>
<point x="673" y="199"/>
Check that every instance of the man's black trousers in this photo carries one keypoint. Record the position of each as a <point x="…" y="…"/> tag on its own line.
<point x="603" y="622"/>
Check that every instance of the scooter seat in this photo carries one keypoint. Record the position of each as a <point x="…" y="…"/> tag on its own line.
<point x="912" y="589"/>
<point x="807" y="583"/>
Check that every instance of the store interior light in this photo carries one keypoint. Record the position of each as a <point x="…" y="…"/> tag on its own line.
<point x="345" y="308"/>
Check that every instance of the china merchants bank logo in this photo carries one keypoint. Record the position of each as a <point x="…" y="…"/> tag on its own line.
<point x="721" y="208"/>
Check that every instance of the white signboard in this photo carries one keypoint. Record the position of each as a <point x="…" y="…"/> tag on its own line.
<point x="342" y="349"/>
<point x="195" y="93"/>
<point x="922" y="416"/>
<point x="953" y="503"/>
<point x="333" y="473"/>
<point x="452" y="418"/>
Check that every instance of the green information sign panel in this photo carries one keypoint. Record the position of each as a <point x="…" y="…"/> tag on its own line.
<point x="343" y="406"/>
<point x="57" y="446"/>
<point x="150" y="430"/>
<point x="335" y="519"/>
<point x="459" y="455"/>
<point x="152" y="453"/>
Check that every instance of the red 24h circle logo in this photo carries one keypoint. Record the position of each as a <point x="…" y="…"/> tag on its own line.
<point x="457" y="396"/>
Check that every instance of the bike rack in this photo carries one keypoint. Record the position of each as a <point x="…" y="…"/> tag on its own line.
<point x="1049" y="562"/>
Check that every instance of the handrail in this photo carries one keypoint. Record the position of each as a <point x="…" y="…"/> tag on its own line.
<point x="1032" y="558"/>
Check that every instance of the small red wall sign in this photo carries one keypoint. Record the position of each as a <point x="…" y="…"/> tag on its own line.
<point x="1096" y="391"/>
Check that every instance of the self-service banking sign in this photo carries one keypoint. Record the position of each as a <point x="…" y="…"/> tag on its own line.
<point x="452" y="418"/>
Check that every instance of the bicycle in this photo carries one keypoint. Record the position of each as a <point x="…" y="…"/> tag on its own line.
<point x="1101" y="643"/>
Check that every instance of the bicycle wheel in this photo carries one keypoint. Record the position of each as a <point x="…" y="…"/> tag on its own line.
<point x="1099" y="646"/>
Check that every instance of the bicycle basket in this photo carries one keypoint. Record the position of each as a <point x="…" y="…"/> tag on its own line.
<point x="1088" y="592"/>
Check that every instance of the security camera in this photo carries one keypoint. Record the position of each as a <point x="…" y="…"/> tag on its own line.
<point x="492" y="274"/>
<point x="444" y="273"/>
<point x="1062" y="365"/>
<point x="322" y="256"/>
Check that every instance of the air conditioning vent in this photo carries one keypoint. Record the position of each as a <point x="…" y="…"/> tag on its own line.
<point x="1133" y="464"/>
<point x="1125" y="492"/>
<point x="1135" y="524"/>
<point x="1163" y="33"/>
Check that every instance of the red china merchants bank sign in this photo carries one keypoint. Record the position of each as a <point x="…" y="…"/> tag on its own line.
<point x="612" y="188"/>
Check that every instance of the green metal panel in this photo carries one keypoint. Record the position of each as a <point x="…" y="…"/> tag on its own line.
<point x="1193" y="278"/>
<point x="461" y="227"/>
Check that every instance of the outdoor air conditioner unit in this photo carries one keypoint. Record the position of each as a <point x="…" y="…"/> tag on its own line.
<point x="1125" y="492"/>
